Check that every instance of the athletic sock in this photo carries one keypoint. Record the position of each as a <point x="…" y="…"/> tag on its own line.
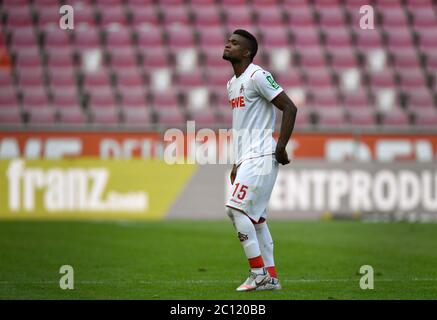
<point x="266" y="247"/>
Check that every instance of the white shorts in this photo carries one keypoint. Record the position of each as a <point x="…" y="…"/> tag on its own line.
<point x="253" y="186"/>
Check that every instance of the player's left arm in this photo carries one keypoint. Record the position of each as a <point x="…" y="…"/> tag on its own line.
<point x="289" y="112"/>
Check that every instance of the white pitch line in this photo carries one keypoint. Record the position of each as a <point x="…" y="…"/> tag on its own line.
<point x="213" y="281"/>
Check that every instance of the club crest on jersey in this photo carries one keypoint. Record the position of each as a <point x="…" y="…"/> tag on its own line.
<point x="241" y="89"/>
<point x="237" y="102"/>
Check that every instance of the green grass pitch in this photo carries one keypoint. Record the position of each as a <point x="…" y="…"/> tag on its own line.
<point x="204" y="260"/>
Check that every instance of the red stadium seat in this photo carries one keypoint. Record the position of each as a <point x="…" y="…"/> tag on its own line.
<point x="368" y="40"/>
<point x="19" y="18"/>
<point x="48" y="17"/>
<point x="118" y="37"/>
<point x="176" y="16"/>
<point x="62" y="80"/>
<point x="86" y="38"/>
<point x="270" y="17"/>
<point x="84" y="15"/>
<point x="238" y="17"/>
<point x="337" y="37"/>
<point x="28" y="59"/>
<point x="406" y="59"/>
<point x="96" y="82"/>
<point x="356" y="100"/>
<point x="144" y="14"/>
<point x="319" y="78"/>
<point x="38" y="108"/>
<point x="8" y="97"/>
<point x="211" y="37"/>
<point x="389" y="4"/>
<point x="123" y="58"/>
<point x="342" y="58"/>
<point x="396" y="117"/>
<point x="425" y="118"/>
<point x="155" y="58"/>
<point x="420" y="99"/>
<point x="205" y="16"/>
<point x="135" y="110"/>
<point x="56" y="38"/>
<point x="103" y="108"/>
<point x="332" y="117"/>
<point x="296" y="4"/>
<point x="362" y="117"/>
<point x="306" y="37"/>
<point x="23" y="39"/>
<point x="324" y="100"/>
<point x="399" y="38"/>
<point x="382" y="80"/>
<point x="129" y="81"/>
<point x="312" y="57"/>
<point x="149" y="37"/>
<point x="274" y="37"/>
<point x="428" y="41"/>
<point x="299" y="17"/>
<point x="180" y="37"/>
<point x="190" y="79"/>
<point x="331" y="17"/>
<point x="218" y="78"/>
<point x="394" y="17"/>
<point x="411" y="79"/>
<point x="205" y="118"/>
<point x="213" y="57"/>
<point x="169" y="100"/>
<point x="112" y="15"/>
<point x="303" y="119"/>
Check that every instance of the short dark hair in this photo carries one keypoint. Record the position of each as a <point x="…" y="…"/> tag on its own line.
<point x="253" y="44"/>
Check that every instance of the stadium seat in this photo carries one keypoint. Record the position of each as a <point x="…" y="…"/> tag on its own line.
<point x="180" y="37"/>
<point x="129" y="81"/>
<point x="395" y="118"/>
<point x="331" y="117"/>
<point x="331" y="17"/>
<point x="19" y="18"/>
<point x="112" y="15"/>
<point x="103" y="108"/>
<point x="149" y="37"/>
<point x="144" y="15"/>
<point x="420" y="99"/>
<point x="300" y="17"/>
<point x="38" y="108"/>
<point x="135" y="110"/>
<point x="204" y="118"/>
<point x="206" y="16"/>
<point x="176" y="16"/>
<point x="425" y="118"/>
<point x="270" y="16"/>
<point x="211" y="37"/>
<point x="273" y="37"/>
<point x="362" y="117"/>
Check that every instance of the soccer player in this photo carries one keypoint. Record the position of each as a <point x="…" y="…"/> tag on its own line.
<point x="253" y="94"/>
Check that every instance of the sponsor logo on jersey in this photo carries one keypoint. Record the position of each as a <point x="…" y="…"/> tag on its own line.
<point x="237" y="102"/>
<point x="272" y="82"/>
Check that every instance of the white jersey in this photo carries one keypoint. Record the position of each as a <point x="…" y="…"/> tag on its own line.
<point x="253" y="114"/>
